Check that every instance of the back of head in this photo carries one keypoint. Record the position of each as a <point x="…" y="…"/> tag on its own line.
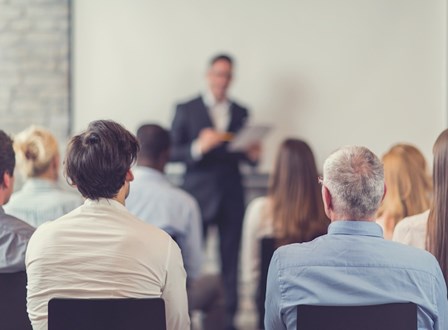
<point x="407" y="181"/>
<point x="7" y="157"/>
<point x="437" y="233"/>
<point x="35" y="148"/>
<point x="98" y="159"/>
<point x="354" y="177"/>
<point x="154" y="143"/>
<point x="297" y="208"/>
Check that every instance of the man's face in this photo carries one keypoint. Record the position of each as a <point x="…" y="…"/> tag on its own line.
<point x="219" y="77"/>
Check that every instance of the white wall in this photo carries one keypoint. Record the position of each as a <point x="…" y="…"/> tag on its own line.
<point x="333" y="72"/>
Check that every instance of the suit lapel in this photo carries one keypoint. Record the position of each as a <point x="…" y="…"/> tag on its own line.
<point x="203" y="117"/>
<point x="233" y="120"/>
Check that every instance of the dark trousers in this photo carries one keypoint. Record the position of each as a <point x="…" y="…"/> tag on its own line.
<point x="229" y="221"/>
<point x="206" y="294"/>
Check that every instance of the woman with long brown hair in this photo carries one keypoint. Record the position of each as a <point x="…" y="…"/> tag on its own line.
<point x="408" y="186"/>
<point x="430" y="229"/>
<point x="292" y="212"/>
<point x="437" y="235"/>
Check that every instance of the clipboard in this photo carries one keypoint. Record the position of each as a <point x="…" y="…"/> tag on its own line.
<point x="248" y="136"/>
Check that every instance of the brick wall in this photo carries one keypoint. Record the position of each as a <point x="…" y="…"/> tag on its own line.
<point x="34" y="65"/>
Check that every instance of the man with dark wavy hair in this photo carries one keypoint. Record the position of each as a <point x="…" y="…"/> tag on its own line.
<point x="14" y="233"/>
<point x="100" y="250"/>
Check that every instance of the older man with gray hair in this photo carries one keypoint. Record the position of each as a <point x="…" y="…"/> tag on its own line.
<point x="353" y="264"/>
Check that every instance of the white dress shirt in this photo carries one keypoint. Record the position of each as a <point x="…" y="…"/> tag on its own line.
<point x="100" y="250"/>
<point x="156" y="201"/>
<point x="412" y="230"/>
<point x="219" y="113"/>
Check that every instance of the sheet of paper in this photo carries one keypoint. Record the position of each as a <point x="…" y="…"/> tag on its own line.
<point x="248" y="136"/>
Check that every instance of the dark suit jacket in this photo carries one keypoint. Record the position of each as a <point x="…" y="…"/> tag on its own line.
<point x="214" y="178"/>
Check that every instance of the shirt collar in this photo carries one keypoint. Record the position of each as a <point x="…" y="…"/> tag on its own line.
<point x="210" y="101"/>
<point x="38" y="184"/>
<point x="361" y="228"/>
<point x="149" y="174"/>
<point x="105" y="202"/>
<point x="2" y="211"/>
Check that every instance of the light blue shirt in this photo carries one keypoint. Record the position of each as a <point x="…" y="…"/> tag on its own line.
<point x="156" y="201"/>
<point x="40" y="201"/>
<point x="354" y="265"/>
<point x="14" y="237"/>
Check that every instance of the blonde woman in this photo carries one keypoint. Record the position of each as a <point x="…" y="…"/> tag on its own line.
<point x="41" y="198"/>
<point x="293" y="211"/>
<point x="408" y="186"/>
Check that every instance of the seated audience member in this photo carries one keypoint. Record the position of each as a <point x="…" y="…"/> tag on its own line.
<point x="353" y="264"/>
<point x="14" y="233"/>
<point x="41" y="198"/>
<point x="428" y="230"/>
<point x="156" y="201"/>
<point x="292" y="212"/>
<point x="408" y="186"/>
<point x="100" y="250"/>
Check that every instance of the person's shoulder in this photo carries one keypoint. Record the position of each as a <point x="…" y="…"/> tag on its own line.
<point x="182" y="196"/>
<point x="148" y="234"/>
<point x="413" y="222"/>
<point x="257" y="203"/>
<point x="300" y="254"/>
<point x="412" y="230"/>
<point x="15" y="225"/>
<point x="238" y="106"/>
<point x="185" y="104"/>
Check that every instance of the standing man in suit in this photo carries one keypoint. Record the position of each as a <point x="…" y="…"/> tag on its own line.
<point x="200" y="132"/>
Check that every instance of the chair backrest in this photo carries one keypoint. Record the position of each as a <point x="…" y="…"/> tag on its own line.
<point x="106" y="314"/>
<point x="13" y="314"/>
<point x="396" y="316"/>
<point x="267" y="248"/>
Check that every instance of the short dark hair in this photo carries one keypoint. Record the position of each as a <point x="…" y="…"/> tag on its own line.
<point x="221" y="57"/>
<point x="154" y="141"/>
<point x="98" y="159"/>
<point x="7" y="156"/>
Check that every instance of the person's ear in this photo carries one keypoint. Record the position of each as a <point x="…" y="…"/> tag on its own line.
<point x="129" y="176"/>
<point x="326" y="197"/>
<point x="7" y="180"/>
<point x="385" y="192"/>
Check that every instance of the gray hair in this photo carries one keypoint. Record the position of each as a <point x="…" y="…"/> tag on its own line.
<point x="354" y="176"/>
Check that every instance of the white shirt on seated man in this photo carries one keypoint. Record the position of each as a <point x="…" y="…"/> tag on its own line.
<point x="100" y="250"/>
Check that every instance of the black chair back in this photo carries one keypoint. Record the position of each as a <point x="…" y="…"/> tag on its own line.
<point x="396" y="316"/>
<point x="267" y="248"/>
<point x="13" y="314"/>
<point x="106" y="314"/>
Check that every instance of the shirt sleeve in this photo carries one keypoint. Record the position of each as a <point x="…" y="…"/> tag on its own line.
<point x="181" y="141"/>
<point x="195" y="150"/>
<point x="174" y="292"/>
<point x="13" y="248"/>
<point x="192" y="243"/>
<point x="441" y="301"/>
<point x="273" y="318"/>
<point x="401" y="233"/>
<point x="250" y="253"/>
